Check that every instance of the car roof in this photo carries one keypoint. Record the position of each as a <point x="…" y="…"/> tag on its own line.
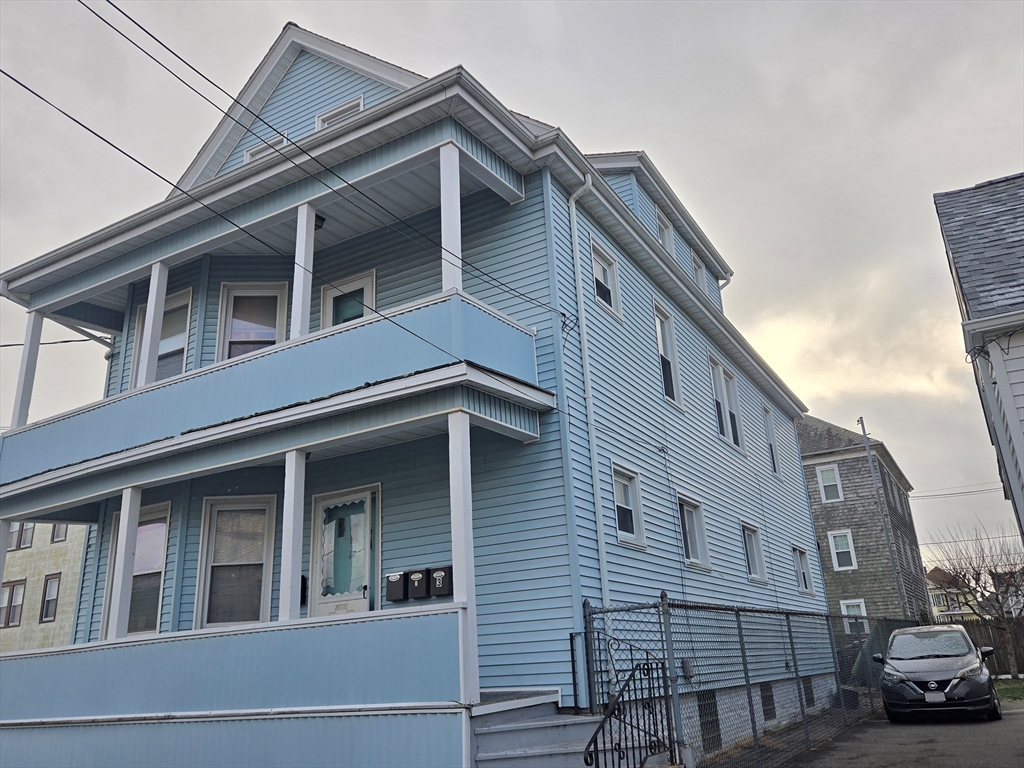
<point x="931" y="628"/>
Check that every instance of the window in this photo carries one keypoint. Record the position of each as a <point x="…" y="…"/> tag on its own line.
<point x="605" y="280"/>
<point x="20" y="536"/>
<point x="700" y="274"/>
<point x="854" y="608"/>
<point x="12" y="597"/>
<point x="802" y="564"/>
<point x="237" y="561"/>
<point x="843" y="556"/>
<point x="666" y="233"/>
<point x="691" y="515"/>
<point x="769" y="433"/>
<point x="349" y="300"/>
<point x="768" y="701"/>
<point x="148" y="572"/>
<point x="808" y="686"/>
<point x="627" y="507"/>
<point x="723" y="384"/>
<point x="51" y="587"/>
<point x="252" y="317"/>
<point x="264" y="147"/>
<point x="59" y="533"/>
<point x="752" y="552"/>
<point x="828" y="483"/>
<point x="170" y="360"/>
<point x="336" y="114"/>
<point x="667" y="351"/>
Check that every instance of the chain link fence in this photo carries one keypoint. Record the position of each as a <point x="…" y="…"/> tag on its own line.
<point x="747" y="687"/>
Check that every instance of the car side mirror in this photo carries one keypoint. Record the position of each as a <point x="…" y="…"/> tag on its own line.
<point x="986" y="651"/>
<point x="878" y="658"/>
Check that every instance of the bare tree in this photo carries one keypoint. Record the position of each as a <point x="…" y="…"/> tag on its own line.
<point x="986" y="573"/>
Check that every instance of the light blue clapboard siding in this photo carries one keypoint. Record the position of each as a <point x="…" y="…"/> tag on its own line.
<point x="311" y="85"/>
<point x="645" y="209"/>
<point x="623" y="184"/>
<point x="346" y="742"/>
<point x="83" y="608"/>
<point x="487" y="156"/>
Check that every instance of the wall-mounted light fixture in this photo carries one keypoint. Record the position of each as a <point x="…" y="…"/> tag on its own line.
<point x="319" y="221"/>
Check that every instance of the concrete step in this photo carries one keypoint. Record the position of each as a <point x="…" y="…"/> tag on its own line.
<point x="536" y="732"/>
<point x="567" y="755"/>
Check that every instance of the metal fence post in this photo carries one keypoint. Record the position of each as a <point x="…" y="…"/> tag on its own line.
<point x="840" y="698"/>
<point x="673" y="677"/>
<point x="796" y="673"/>
<point x="746" y="680"/>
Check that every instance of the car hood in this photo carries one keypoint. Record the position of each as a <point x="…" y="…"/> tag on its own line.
<point x="933" y="668"/>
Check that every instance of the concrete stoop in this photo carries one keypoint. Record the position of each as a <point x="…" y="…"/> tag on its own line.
<point x="545" y="741"/>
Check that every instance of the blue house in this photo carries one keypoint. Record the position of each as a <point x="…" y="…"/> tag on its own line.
<point x="397" y="379"/>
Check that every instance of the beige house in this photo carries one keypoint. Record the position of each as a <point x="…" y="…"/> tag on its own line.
<point x="40" y="582"/>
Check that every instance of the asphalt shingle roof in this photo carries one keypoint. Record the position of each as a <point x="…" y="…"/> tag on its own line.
<point x="818" y="436"/>
<point x="984" y="231"/>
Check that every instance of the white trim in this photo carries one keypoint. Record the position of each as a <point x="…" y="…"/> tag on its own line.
<point x="228" y="292"/>
<point x="265" y="147"/>
<point x="210" y="505"/>
<point x="175" y="300"/>
<point x="374" y="568"/>
<point x="637" y="538"/>
<point x="761" y="575"/>
<point x="337" y="114"/>
<point x="802" y="565"/>
<point x="666" y="232"/>
<point x="544" y="696"/>
<point x="832" y="548"/>
<point x="700" y="533"/>
<point x="863" y="615"/>
<point x="725" y="391"/>
<point x="601" y="255"/>
<point x="700" y="274"/>
<point x="772" y="443"/>
<point x="146" y="514"/>
<point x="27" y="370"/>
<point x="821" y="483"/>
<point x="365" y="280"/>
<point x="663" y="314"/>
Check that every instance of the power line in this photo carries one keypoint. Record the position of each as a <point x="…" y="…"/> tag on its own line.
<point x="44" y="343"/>
<point x="461" y="263"/>
<point x="956" y="495"/>
<point x="974" y="538"/>
<point x="955" y="487"/>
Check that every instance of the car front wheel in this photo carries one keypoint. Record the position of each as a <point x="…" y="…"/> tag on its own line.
<point x="894" y="717"/>
<point x="995" y="710"/>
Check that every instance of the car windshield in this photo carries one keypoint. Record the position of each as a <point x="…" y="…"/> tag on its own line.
<point x="928" y="645"/>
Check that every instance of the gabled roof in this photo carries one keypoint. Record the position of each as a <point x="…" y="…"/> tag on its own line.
<point x="943" y="579"/>
<point x="819" y="437"/>
<point x="983" y="229"/>
<point x="254" y="95"/>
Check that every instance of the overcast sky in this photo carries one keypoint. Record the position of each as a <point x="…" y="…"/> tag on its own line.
<point x="806" y="139"/>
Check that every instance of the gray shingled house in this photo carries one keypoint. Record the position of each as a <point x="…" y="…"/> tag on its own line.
<point x="863" y="575"/>
<point x="983" y="230"/>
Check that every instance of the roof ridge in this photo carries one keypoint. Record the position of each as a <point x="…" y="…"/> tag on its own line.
<point x="980" y="185"/>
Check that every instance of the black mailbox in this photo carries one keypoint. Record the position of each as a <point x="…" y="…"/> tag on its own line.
<point x="396" y="590"/>
<point x="440" y="578"/>
<point x="417" y="583"/>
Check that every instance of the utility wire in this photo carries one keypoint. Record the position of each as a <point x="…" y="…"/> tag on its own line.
<point x="489" y="278"/>
<point x="242" y="229"/>
<point x="974" y="538"/>
<point x="956" y="495"/>
<point x="44" y="343"/>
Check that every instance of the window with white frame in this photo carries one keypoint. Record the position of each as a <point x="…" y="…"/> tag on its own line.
<point x="237" y="560"/>
<point x="51" y="590"/>
<point x="20" y="536"/>
<point x="828" y="483"/>
<point x="691" y="517"/>
<point x="666" y="234"/>
<point x="752" y="552"/>
<point x="606" y="283"/>
<point x="769" y="433"/>
<point x="263" y="147"/>
<point x="802" y="566"/>
<point x="665" y="332"/>
<point x="148" y="571"/>
<point x="727" y="410"/>
<point x="700" y="274"/>
<point x="628" y="517"/>
<point x="855" y="608"/>
<point x="170" y="359"/>
<point x="252" y="317"/>
<point x="335" y="115"/>
<point x="12" y="600"/>
<point x="348" y="300"/>
<point x="844" y="558"/>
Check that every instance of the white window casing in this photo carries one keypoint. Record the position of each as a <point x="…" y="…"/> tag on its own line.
<point x="606" y="280"/>
<point x="727" y="407"/>
<point x="664" y="330"/>
<point x="854" y="626"/>
<point x="769" y="433"/>
<point x="629" y="522"/>
<point x="840" y="544"/>
<point x="666" y="233"/>
<point x="802" y="566"/>
<point x="341" y="112"/>
<point x="252" y="331"/>
<point x="694" y="537"/>
<point x="149" y="570"/>
<point x="174" y="334"/>
<point x="700" y="274"/>
<point x="829" y="485"/>
<point x="268" y="146"/>
<point x="753" y="553"/>
<point x="354" y="297"/>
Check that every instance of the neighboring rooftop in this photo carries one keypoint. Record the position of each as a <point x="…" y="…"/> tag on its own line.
<point x="818" y="436"/>
<point x="983" y="228"/>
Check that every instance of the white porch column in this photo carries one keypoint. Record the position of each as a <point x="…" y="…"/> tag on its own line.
<point x="291" y="534"/>
<point x="451" y="219"/>
<point x="27" y="372"/>
<point x="149" y="350"/>
<point x="302" y="281"/>
<point x="124" y="564"/>
<point x="5" y="532"/>
<point x="463" y="571"/>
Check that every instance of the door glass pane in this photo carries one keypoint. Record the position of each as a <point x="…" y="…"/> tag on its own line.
<point x="235" y="592"/>
<point x="348" y="306"/>
<point x="142" y="614"/>
<point x="238" y="536"/>
<point x="149" y="546"/>
<point x="254" y="318"/>
<point x="344" y="547"/>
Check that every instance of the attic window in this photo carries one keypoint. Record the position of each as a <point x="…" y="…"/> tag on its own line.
<point x="265" y="147"/>
<point x="336" y="114"/>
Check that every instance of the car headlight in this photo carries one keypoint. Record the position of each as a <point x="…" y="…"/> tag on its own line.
<point x="892" y="676"/>
<point x="972" y="671"/>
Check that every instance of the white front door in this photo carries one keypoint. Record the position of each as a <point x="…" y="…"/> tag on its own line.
<point x="341" y="569"/>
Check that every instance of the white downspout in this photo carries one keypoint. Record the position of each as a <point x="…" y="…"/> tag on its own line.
<point x="581" y="311"/>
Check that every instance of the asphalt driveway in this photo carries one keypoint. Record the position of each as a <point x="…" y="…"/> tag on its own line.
<point x="938" y="742"/>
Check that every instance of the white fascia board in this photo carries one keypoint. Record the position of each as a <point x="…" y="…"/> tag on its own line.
<point x="977" y="331"/>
